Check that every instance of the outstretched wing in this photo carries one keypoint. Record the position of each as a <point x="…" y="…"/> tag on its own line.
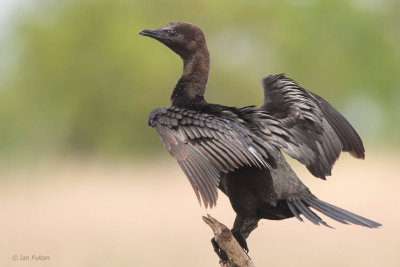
<point x="205" y="146"/>
<point x="318" y="131"/>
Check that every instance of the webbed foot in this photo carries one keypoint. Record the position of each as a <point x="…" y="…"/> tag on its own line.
<point x="220" y="252"/>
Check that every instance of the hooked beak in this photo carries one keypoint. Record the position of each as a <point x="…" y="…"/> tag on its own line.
<point x="155" y="34"/>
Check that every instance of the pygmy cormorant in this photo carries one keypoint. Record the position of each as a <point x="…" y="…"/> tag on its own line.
<point x="238" y="150"/>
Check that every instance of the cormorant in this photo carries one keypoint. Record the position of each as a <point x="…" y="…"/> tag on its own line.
<point x="238" y="150"/>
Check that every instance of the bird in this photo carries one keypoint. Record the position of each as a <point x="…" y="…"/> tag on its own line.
<point x="239" y="150"/>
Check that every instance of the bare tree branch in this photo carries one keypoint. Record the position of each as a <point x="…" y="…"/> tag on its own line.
<point x="223" y="236"/>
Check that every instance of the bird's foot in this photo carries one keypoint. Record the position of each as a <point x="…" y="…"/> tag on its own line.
<point x="220" y="252"/>
<point x="241" y="240"/>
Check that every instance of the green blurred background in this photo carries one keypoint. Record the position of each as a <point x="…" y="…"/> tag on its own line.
<point x="75" y="76"/>
<point x="78" y="181"/>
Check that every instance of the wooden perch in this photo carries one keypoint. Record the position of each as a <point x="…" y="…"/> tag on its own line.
<point x="225" y="239"/>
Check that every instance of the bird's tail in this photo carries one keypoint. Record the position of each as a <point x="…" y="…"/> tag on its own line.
<point x="298" y="207"/>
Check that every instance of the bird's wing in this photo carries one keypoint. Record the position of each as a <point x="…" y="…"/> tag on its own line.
<point x="319" y="132"/>
<point x="205" y="146"/>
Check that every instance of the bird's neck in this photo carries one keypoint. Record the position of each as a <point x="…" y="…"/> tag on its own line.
<point x="190" y="88"/>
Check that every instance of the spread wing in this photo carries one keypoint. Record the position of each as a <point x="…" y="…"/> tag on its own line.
<point x="205" y="146"/>
<point x="318" y="131"/>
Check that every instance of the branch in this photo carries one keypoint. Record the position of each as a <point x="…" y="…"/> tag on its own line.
<point x="236" y="255"/>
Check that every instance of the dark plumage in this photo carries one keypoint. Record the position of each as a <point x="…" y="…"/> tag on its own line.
<point x="238" y="150"/>
<point x="319" y="130"/>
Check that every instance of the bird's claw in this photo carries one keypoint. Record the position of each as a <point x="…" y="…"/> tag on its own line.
<point x="242" y="241"/>
<point x="220" y="252"/>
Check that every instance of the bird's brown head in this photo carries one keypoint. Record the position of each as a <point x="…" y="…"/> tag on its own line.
<point x="183" y="38"/>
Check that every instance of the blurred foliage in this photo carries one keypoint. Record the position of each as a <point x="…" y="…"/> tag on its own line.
<point x="76" y="76"/>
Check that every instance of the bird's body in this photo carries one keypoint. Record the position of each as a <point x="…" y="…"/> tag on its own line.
<point x="238" y="150"/>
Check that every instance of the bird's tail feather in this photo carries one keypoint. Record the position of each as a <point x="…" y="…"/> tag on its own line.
<point x="298" y="207"/>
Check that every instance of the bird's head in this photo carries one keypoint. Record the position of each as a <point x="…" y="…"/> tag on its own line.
<point x="183" y="38"/>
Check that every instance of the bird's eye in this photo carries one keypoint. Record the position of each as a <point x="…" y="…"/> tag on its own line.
<point x="172" y="33"/>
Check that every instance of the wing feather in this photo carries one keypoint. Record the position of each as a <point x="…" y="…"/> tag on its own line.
<point x="206" y="146"/>
<point x="318" y="132"/>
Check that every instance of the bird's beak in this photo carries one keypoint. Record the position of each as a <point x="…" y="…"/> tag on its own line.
<point x="155" y="34"/>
